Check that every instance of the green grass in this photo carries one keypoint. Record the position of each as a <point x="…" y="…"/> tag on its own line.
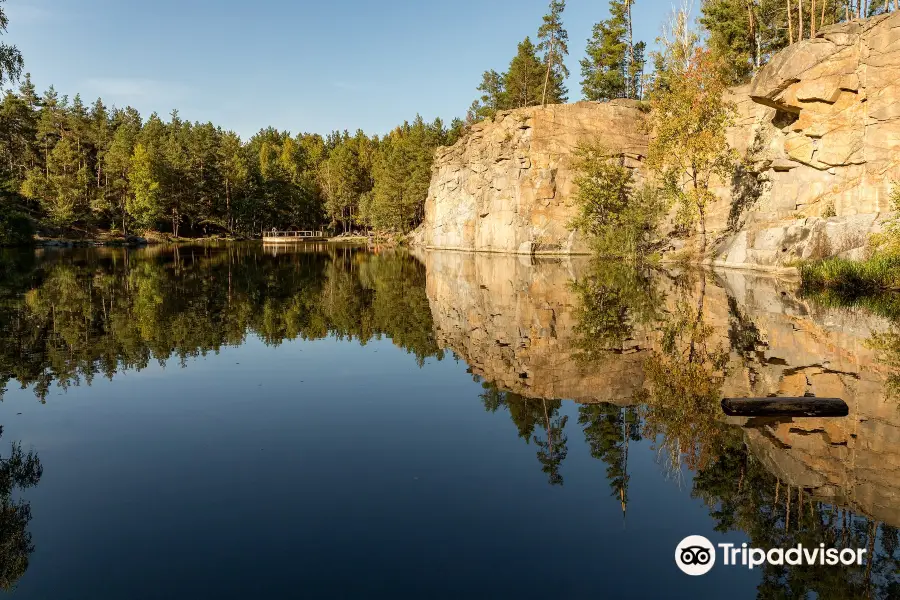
<point x="852" y="279"/>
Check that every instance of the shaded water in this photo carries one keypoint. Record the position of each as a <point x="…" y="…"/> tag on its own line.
<point x="239" y="421"/>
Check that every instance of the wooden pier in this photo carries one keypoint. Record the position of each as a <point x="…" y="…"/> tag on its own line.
<point x="292" y="237"/>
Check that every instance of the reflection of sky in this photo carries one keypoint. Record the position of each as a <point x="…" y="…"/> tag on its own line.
<point x="329" y="467"/>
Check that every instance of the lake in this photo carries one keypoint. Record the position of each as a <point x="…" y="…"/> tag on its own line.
<point x="240" y="421"/>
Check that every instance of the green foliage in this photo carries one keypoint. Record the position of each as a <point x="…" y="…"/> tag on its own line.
<point x="15" y="227"/>
<point x="745" y="34"/>
<point x="685" y="378"/>
<point x="83" y="167"/>
<point x="18" y="471"/>
<point x="79" y="167"/>
<point x="851" y="278"/>
<point x="528" y="414"/>
<point x="888" y="241"/>
<point x="143" y="206"/>
<point x="614" y="64"/>
<point x="402" y="173"/>
<point x="524" y="80"/>
<point x="689" y="117"/>
<point x="621" y="219"/>
<point x="608" y="430"/>
<point x="11" y="62"/>
<point x="615" y="301"/>
<point x="529" y="80"/>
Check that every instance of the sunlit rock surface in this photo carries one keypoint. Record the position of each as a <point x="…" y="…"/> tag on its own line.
<point x="817" y="133"/>
<point x="507" y="185"/>
<point x="821" y="134"/>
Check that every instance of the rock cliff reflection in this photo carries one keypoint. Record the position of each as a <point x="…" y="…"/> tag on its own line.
<point x="646" y="354"/>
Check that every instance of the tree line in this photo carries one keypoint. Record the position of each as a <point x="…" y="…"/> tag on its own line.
<point x="69" y="165"/>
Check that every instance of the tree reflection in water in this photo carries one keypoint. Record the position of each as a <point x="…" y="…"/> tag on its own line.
<point x="18" y="471"/>
<point x="72" y="316"/>
<point x="67" y="317"/>
<point x="678" y="408"/>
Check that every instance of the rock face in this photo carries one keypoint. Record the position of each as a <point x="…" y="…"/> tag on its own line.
<point x="817" y="130"/>
<point x="821" y="136"/>
<point x="507" y="185"/>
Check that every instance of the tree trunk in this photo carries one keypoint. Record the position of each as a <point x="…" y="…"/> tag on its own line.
<point x="547" y="76"/>
<point x="812" y="19"/>
<point x="702" y="210"/>
<point x="790" y="26"/>
<point x="228" y="205"/>
<point x="822" y="20"/>
<point x="799" y="20"/>
<point x="632" y="86"/>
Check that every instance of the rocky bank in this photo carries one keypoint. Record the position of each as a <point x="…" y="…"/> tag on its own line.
<point x="817" y="132"/>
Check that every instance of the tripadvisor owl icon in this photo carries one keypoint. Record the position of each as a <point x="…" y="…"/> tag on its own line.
<point x="695" y="555"/>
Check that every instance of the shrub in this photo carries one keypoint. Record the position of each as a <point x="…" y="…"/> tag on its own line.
<point x="621" y="218"/>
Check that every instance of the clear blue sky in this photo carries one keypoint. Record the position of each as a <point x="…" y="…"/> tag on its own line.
<point x="293" y="64"/>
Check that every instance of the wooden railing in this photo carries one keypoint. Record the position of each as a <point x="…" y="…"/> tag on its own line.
<point x="293" y="234"/>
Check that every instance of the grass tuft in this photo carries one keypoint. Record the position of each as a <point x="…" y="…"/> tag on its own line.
<point x="852" y="279"/>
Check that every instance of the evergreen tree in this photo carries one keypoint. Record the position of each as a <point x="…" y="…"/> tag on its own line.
<point x="11" y="62"/>
<point x="605" y="68"/>
<point x="554" y="43"/>
<point x="523" y="82"/>
<point x="492" y="98"/>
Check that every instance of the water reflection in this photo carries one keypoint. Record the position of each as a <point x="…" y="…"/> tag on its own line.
<point x="18" y="471"/>
<point x="647" y="354"/>
<point x="71" y="316"/>
<point x="652" y="353"/>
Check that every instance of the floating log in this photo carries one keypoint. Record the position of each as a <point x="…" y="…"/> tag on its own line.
<point x="785" y="407"/>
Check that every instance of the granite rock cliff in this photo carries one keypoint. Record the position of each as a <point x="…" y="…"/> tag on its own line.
<point x="817" y="131"/>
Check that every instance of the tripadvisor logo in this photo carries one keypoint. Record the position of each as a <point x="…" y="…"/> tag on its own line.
<point x="696" y="555"/>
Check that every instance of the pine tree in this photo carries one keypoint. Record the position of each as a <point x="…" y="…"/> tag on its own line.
<point x="554" y="43"/>
<point x="523" y="82"/>
<point x="605" y="68"/>
<point x="117" y="163"/>
<point x="491" y="101"/>
<point x="235" y="173"/>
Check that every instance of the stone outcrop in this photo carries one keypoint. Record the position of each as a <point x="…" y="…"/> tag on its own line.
<point x="515" y="321"/>
<point x="821" y="136"/>
<point x="817" y="130"/>
<point x="507" y="185"/>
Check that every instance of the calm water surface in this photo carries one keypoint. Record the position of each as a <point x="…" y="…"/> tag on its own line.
<point x="248" y="422"/>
